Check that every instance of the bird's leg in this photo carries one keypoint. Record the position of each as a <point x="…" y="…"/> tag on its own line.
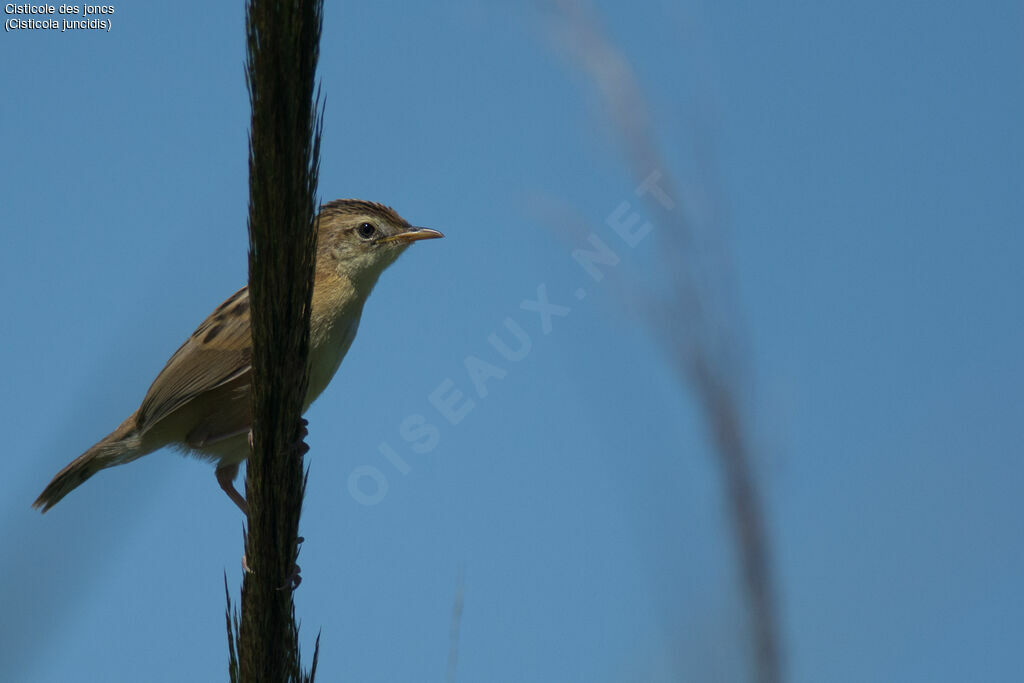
<point x="226" y="478"/>
<point x="293" y="581"/>
<point x="295" y="578"/>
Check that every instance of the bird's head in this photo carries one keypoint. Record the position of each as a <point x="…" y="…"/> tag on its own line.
<point x="359" y="239"/>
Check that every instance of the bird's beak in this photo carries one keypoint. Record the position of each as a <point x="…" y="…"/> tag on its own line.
<point x="413" y="235"/>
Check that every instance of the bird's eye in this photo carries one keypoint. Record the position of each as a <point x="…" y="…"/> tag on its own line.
<point x="366" y="230"/>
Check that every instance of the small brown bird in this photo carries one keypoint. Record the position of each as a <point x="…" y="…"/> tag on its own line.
<point x="200" y="401"/>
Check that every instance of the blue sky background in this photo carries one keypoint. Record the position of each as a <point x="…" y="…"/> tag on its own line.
<point x="866" y="166"/>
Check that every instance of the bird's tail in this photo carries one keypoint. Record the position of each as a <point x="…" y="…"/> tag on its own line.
<point x="122" y="445"/>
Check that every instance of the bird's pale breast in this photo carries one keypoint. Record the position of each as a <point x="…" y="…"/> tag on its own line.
<point x="325" y="357"/>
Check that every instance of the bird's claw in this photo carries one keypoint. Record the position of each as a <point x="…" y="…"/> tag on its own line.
<point x="293" y="581"/>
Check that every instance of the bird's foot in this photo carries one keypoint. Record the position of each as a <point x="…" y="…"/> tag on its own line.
<point x="293" y="580"/>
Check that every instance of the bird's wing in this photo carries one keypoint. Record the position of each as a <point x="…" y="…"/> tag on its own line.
<point x="218" y="352"/>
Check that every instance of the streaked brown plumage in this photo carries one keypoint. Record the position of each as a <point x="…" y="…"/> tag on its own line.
<point x="200" y="401"/>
